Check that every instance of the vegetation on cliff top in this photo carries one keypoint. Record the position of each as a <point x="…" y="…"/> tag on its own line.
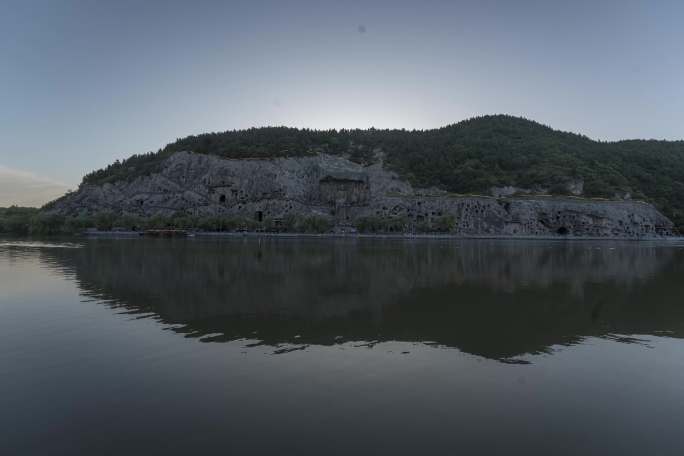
<point x="467" y="157"/>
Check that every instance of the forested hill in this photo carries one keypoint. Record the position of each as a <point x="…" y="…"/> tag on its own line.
<point x="468" y="157"/>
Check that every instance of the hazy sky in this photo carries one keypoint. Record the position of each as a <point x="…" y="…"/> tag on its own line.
<point x="85" y="82"/>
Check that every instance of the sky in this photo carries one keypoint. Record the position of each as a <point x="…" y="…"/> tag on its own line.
<point x="83" y="83"/>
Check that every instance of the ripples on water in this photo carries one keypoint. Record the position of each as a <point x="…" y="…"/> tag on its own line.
<point x="38" y="245"/>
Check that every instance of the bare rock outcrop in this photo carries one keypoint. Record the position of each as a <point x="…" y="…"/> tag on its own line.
<point x="345" y="192"/>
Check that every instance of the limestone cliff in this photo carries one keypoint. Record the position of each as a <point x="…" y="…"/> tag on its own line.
<point x="345" y="192"/>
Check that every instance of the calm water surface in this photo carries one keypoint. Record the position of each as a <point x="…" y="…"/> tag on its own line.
<point x="275" y="346"/>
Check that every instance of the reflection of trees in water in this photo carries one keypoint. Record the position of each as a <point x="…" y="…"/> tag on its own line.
<point x="492" y="298"/>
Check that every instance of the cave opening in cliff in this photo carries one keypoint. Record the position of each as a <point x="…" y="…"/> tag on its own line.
<point x="259" y="216"/>
<point x="222" y="198"/>
<point x="563" y="231"/>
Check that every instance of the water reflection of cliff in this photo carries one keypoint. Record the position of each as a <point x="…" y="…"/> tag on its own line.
<point x="491" y="298"/>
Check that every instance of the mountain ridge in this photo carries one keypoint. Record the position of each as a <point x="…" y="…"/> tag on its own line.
<point x="471" y="156"/>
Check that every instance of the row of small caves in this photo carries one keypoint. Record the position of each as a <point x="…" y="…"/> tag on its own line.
<point x="339" y="205"/>
<point x="343" y="195"/>
<point x="340" y="196"/>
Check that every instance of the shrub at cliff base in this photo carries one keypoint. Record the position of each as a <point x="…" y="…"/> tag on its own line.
<point x="382" y="225"/>
<point x="30" y="221"/>
<point x="442" y="224"/>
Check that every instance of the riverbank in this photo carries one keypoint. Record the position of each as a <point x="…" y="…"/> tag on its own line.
<point x="388" y="236"/>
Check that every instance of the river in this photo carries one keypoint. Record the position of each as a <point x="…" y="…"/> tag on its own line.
<point x="341" y="346"/>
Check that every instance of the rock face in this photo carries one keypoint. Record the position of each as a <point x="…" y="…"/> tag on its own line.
<point x="345" y="192"/>
<point x="572" y="187"/>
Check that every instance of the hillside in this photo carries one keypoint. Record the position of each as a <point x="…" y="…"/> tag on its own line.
<point x="468" y="157"/>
